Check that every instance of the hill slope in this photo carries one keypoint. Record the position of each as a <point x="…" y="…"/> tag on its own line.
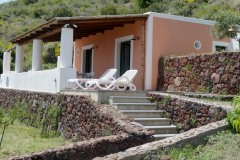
<point x="16" y="17"/>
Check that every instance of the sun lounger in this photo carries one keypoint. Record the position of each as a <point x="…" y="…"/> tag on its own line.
<point x="81" y="83"/>
<point x="122" y="83"/>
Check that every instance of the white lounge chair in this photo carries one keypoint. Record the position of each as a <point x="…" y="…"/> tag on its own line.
<point x="121" y="84"/>
<point x="81" y="83"/>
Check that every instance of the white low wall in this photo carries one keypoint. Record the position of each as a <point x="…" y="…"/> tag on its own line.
<point x="44" y="81"/>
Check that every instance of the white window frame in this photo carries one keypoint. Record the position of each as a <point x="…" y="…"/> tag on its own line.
<point x="117" y="52"/>
<point x="84" y="48"/>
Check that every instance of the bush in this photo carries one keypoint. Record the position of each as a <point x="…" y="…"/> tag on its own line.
<point x="6" y="119"/>
<point x="62" y="11"/>
<point x="27" y="2"/>
<point x="109" y="10"/>
<point x="43" y="116"/>
<point x="233" y="117"/>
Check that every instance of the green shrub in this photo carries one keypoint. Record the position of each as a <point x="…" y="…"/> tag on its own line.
<point x="44" y="116"/>
<point x="109" y="9"/>
<point x="6" y="119"/>
<point x="166" y="100"/>
<point x="233" y="117"/>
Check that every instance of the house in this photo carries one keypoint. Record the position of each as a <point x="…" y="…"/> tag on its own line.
<point x="95" y="44"/>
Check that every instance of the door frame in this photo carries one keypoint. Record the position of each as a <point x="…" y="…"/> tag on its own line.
<point x="117" y="52"/>
<point x="84" y="48"/>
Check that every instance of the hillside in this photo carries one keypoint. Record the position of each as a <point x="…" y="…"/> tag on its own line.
<point x="18" y="16"/>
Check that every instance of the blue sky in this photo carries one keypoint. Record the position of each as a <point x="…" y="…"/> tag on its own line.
<point x="2" y="1"/>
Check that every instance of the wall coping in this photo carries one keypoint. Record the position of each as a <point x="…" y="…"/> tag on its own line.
<point x="195" y="100"/>
<point x="197" y="54"/>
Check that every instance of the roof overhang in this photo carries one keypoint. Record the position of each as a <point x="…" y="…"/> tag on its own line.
<point x="86" y="26"/>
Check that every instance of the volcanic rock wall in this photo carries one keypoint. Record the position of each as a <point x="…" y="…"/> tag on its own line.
<point x="81" y="119"/>
<point x="187" y="113"/>
<point x="215" y="73"/>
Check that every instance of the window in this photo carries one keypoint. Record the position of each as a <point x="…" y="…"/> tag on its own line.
<point x="197" y="45"/>
<point x="220" y="48"/>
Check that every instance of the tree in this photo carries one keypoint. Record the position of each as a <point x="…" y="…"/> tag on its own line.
<point x="144" y="3"/>
<point x="27" y="2"/>
<point x="184" y="7"/>
<point x="109" y="9"/>
<point x="62" y="11"/>
<point x="6" y="120"/>
<point x="227" y="25"/>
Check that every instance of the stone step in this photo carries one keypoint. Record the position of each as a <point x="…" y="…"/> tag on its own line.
<point x="153" y="121"/>
<point x="163" y="129"/>
<point x="162" y="136"/>
<point x="135" y="106"/>
<point x="143" y="113"/>
<point x="129" y="99"/>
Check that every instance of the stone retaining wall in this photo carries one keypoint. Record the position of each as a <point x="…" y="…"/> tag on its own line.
<point x="187" y="113"/>
<point x="150" y="151"/>
<point x="81" y="118"/>
<point x="86" y="150"/>
<point x="214" y="73"/>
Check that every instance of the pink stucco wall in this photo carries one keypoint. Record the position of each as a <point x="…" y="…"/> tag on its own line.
<point x="173" y="37"/>
<point x="170" y="37"/>
<point x="105" y="49"/>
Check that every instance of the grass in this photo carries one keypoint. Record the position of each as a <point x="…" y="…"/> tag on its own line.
<point x="20" y="139"/>
<point x="223" y="146"/>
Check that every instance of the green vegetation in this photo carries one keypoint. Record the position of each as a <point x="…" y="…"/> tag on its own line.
<point x="19" y="16"/>
<point x="187" y="67"/>
<point x="221" y="146"/>
<point x="233" y="117"/>
<point x="44" y="117"/>
<point x="227" y="25"/>
<point x="5" y="121"/>
<point x="166" y="100"/>
<point x="21" y="139"/>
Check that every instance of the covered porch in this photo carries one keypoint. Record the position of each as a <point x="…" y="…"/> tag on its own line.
<point x="88" y="44"/>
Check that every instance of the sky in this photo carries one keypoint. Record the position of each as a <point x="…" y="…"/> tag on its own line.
<point x="2" y="1"/>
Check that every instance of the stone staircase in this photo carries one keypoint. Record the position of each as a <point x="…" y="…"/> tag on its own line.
<point x="144" y="112"/>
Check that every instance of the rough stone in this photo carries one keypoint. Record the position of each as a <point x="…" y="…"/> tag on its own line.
<point x="170" y="88"/>
<point x="224" y="78"/>
<point x="177" y="81"/>
<point x="215" y="78"/>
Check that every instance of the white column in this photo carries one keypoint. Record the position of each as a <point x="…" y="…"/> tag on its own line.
<point x="19" y="59"/>
<point x="66" y="51"/>
<point x="58" y="62"/>
<point x="37" y="55"/>
<point x="6" y="62"/>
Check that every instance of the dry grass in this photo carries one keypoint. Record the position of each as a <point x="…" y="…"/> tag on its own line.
<point x="20" y="139"/>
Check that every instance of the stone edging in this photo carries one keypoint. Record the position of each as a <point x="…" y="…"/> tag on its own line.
<point x="193" y="99"/>
<point x="194" y="137"/>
